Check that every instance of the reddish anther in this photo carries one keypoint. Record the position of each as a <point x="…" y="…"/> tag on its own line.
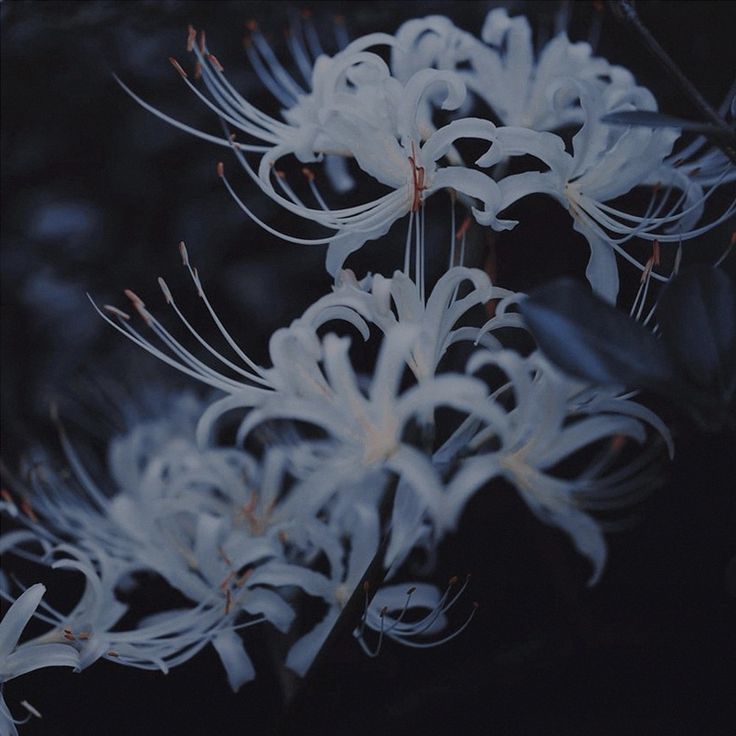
<point x="134" y="298"/>
<point x="26" y="508"/>
<point x="418" y="173"/>
<point x="215" y="63"/>
<point x="178" y="67"/>
<point x="463" y="228"/>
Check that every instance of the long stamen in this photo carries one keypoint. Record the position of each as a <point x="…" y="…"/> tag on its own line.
<point x="287" y="82"/>
<point x="406" y="633"/>
<point x="284" y="96"/>
<point x="341" y="34"/>
<point x="315" y="47"/>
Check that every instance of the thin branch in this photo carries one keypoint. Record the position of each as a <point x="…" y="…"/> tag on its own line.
<point x="625" y="10"/>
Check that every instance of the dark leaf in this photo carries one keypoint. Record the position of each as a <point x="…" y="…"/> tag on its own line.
<point x="594" y="341"/>
<point x="697" y="317"/>
<point x="657" y="120"/>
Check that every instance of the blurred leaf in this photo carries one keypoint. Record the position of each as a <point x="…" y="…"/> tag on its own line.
<point x="593" y="340"/>
<point x="697" y="318"/>
<point x="657" y="120"/>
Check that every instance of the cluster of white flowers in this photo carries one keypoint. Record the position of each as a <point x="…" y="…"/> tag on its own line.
<point x="331" y="470"/>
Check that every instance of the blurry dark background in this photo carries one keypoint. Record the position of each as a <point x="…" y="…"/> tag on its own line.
<point x="96" y="193"/>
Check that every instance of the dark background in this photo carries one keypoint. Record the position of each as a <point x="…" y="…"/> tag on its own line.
<point x="96" y="194"/>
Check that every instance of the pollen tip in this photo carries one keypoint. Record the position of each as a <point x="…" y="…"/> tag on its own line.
<point x="202" y="42"/>
<point x="453" y="580"/>
<point x="31" y="709"/>
<point x="27" y="509"/>
<point x="339" y="20"/>
<point x="279" y="173"/>
<point x="220" y="169"/>
<point x="252" y="25"/>
<point x="732" y="242"/>
<point x="197" y="71"/>
<point x="178" y="67"/>
<point x="165" y="289"/>
<point x="695" y="171"/>
<point x="183" y="252"/>
<point x="134" y="298"/>
<point x="113" y="653"/>
<point x="117" y="312"/>
<point x="191" y="37"/>
<point x="308" y="173"/>
<point x="476" y="605"/>
<point x="305" y="13"/>
<point x="366" y="586"/>
<point x="463" y="228"/>
<point x="215" y="63"/>
<point x="5" y="495"/>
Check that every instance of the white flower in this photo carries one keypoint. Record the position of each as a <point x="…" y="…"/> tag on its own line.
<point x="518" y="87"/>
<point x="19" y="659"/>
<point x="381" y="129"/>
<point x="355" y="109"/>
<point x="401" y="301"/>
<point x="552" y="418"/>
<point x="365" y="431"/>
<point x="359" y="523"/>
<point x="199" y="519"/>
<point x="608" y="162"/>
<point x="503" y="71"/>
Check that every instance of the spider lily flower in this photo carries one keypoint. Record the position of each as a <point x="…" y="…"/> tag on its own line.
<point x="517" y="86"/>
<point x="185" y="515"/>
<point x="19" y="659"/>
<point x="360" y="524"/>
<point x="434" y="318"/>
<point x="355" y="109"/>
<point x="552" y="418"/>
<point x="503" y="71"/>
<point x="382" y="131"/>
<point x="301" y="106"/>
<point x="366" y="431"/>
<point x="607" y="163"/>
<point x="160" y="642"/>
